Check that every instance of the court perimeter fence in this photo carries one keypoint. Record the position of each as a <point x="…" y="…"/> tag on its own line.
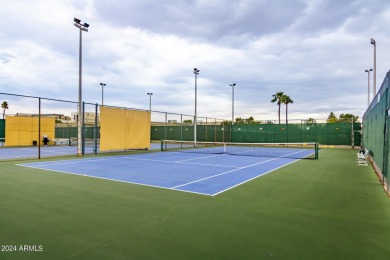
<point x="168" y="126"/>
<point x="36" y="112"/>
<point x="376" y="132"/>
<point x="341" y="133"/>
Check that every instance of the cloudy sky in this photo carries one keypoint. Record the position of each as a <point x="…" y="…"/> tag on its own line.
<point x="316" y="51"/>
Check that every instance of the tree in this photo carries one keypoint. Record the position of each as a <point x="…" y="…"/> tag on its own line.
<point x="250" y="120"/>
<point x="247" y="121"/>
<point x="278" y="97"/>
<point x="332" y="118"/>
<point x="287" y="100"/>
<point x="4" y="106"/>
<point x="239" y="120"/>
<point x="310" y="120"/>
<point x="348" y="117"/>
<point x="187" y="122"/>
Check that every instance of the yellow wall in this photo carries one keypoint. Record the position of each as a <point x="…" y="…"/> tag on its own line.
<point x="122" y="129"/>
<point x="22" y="131"/>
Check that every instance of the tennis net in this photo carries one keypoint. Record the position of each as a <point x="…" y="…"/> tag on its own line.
<point x="276" y="150"/>
<point x="73" y="141"/>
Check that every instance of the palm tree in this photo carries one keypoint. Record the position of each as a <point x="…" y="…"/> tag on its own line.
<point x="4" y="106"/>
<point x="287" y="100"/>
<point x="278" y="97"/>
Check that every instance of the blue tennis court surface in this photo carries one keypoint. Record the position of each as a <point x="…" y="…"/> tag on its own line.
<point x="207" y="174"/>
<point x="7" y="153"/>
<point x="46" y="151"/>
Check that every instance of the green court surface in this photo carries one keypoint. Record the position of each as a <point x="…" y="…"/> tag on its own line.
<point x="312" y="209"/>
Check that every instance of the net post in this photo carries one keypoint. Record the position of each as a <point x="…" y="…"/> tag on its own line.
<point x="316" y="147"/>
<point x="162" y="144"/>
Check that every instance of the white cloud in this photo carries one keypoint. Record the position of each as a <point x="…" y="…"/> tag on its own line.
<point x="314" y="51"/>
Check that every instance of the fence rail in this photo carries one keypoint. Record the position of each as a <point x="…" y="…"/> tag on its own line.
<point x="376" y="132"/>
<point x="165" y="125"/>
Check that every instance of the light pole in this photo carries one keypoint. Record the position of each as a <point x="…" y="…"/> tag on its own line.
<point x="231" y="126"/>
<point x="374" y="43"/>
<point x="102" y="84"/>
<point x="196" y="72"/>
<point x="82" y="27"/>
<point x="150" y="101"/>
<point x="368" y="98"/>
<point x="232" y="85"/>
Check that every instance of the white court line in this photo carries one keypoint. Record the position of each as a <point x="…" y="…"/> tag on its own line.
<point x="224" y="173"/>
<point x="81" y="160"/>
<point x="87" y="159"/>
<point x="203" y="157"/>
<point x="219" y="192"/>
<point x="17" y="156"/>
<point x="118" y="157"/>
<point x="130" y="182"/>
<point x="136" y="157"/>
<point x="232" y="170"/>
<point x="182" y="162"/>
<point x="152" y="154"/>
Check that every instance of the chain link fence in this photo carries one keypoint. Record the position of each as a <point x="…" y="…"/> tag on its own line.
<point x="168" y="126"/>
<point x="376" y="133"/>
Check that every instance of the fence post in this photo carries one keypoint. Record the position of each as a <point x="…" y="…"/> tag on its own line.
<point x="231" y="131"/>
<point x="83" y="130"/>
<point x="352" y="134"/>
<point x="39" y="128"/>
<point x="181" y="127"/>
<point x="206" y="131"/>
<point x="166" y="126"/>
<point x="223" y="132"/>
<point x="215" y="131"/>
<point x="95" y="130"/>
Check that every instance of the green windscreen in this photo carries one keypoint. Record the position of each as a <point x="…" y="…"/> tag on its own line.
<point x="2" y="128"/>
<point x="376" y="129"/>
<point x="341" y="133"/>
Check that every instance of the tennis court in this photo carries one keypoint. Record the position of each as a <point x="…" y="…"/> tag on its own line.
<point x="32" y="152"/>
<point x="9" y="153"/>
<point x="195" y="172"/>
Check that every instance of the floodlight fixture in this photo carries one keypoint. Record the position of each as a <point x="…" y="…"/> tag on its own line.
<point x="82" y="27"/>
